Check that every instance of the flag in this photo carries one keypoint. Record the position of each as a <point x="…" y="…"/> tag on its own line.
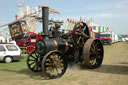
<point x="23" y="3"/>
<point x="108" y="30"/>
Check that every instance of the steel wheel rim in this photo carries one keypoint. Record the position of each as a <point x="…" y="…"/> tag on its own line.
<point x="34" y="61"/>
<point x="96" y="54"/>
<point x="54" y="65"/>
<point x="93" y="58"/>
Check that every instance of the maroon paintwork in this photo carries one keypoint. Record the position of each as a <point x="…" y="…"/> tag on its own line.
<point x="29" y="42"/>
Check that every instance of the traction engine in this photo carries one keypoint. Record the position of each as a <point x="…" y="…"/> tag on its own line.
<point x="52" y="55"/>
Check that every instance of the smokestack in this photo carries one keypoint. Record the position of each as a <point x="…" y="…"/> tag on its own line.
<point x="45" y="19"/>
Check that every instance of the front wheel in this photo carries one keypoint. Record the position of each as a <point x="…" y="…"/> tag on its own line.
<point x="54" y="64"/>
<point x="34" y="61"/>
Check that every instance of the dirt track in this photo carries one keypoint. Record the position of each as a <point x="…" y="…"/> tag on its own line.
<point x="114" y="71"/>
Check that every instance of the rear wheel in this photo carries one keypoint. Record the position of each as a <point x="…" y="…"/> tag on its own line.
<point x="8" y="59"/>
<point x="93" y="53"/>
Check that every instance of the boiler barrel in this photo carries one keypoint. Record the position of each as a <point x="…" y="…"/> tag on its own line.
<point x="43" y="46"/>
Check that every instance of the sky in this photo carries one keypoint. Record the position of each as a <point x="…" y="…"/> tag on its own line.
<point x="108" y="13"/>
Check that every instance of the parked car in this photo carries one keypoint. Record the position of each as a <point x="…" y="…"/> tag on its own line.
<point x="9" y="52"/>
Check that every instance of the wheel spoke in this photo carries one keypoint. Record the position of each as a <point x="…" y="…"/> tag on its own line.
<point x="36" y="54"/>
<point x="85" y="35"/>
<point x="96" y="45"/>
<point x="33" y="57"/>
<point x="98" y="57"/>
<point x="37" y="68"/>
<point x="78" y="40"/>
<point x="99" y="49"/>
<point x="31" y="60"/>
<point x="93" y="45"/>
<point x="93" y="61"/>
<point x="34" y="66"/>
<point x="92" y="50"/>
<point x="57" y="70"/>
<point x="31" y="63"/>
<point x="49" y="60"/>
<point x="77" y="33"/>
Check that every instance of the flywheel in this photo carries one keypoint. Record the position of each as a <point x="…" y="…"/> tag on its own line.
<point x="80" y="34"/>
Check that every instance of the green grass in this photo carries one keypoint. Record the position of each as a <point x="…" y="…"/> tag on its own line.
<point x="17" y="65"/>
<point x="106" y="46"/>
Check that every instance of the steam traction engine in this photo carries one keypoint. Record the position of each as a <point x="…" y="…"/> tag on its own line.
<point x="52" y="55"/>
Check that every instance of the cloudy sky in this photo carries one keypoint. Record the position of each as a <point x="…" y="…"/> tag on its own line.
<point x="109" y="13"/>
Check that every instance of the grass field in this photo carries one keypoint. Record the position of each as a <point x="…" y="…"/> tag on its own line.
<point x="114" y="71"/>
<point x="17" y="65"/>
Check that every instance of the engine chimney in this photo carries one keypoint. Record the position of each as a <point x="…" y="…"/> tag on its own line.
<point x="45" y="19"/>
